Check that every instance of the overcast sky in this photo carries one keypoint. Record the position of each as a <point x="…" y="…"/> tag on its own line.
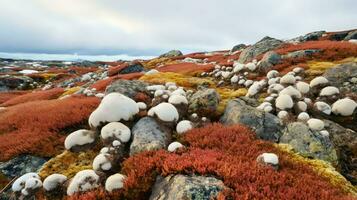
<point x="151" y="27"/>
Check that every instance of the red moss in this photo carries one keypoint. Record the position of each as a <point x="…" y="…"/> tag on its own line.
<point x="130" y="76"/>
<point x="38" y="127"/>
<point x="186" y="68"/>
<point x="101" y="85"/>
<point x="34" y="96"/>
<point x="5" y="96"/>
<point x="229" y="153"/>
<point x="330" y="50"/>
<point x="116" y="69"/>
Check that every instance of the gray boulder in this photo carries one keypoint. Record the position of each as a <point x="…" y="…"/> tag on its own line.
<point x="238" y="47"/>
<point x="132" y="67"/>
<point x="264" y="45"/>
<point x="345" y="142"/>
<point x="309" y="37"/>
<point x="148" y="135"/>
<point x="204" y="102"/>
<point x="172" y="53"/>
<point x="309" y="143"/>
<point x="127" y="87"/>
<point x="266" y="126"/>
<point x="8" y="82"/>
<point x="270" y="59"/>
<point x="300" y="53"/>
<point x="341" y="74"/>
<point x="21" y="165"/>
<point x="351" y="35"/>
<point x="186" y="187"/>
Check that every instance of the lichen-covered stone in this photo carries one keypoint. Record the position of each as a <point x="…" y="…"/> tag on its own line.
<point x="340" y="74"/>
<point x="21" y="165"/>
<point x="204" y="102"/>
<point x="186" y="187"/>
<point x="148" y="135"/>
<point x="128" y="88"/>
<point x="309" y="143"/>
<point x="267" y="126"/>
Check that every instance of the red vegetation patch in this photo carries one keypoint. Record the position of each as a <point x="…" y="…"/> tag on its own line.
<point x="5" y="96"/>
<point x="34" y="96"/>
<point x="102" y="84"/>
<point x="289" y="64"/>
<point x="331" y="50"/>
<point x="229" y="153"/>
<point x="130" y="76"/>
<point x="116" y="69"/>
<point x="186" y="68"/>
<point x="35" y="127"/>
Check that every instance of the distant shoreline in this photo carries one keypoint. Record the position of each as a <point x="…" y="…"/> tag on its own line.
<point x="69" y="57"/>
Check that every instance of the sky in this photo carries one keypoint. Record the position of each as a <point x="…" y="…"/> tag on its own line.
<point x="150" y="28"/>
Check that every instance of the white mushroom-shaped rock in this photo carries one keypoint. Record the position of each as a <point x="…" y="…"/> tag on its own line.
<point x="102" y="163"/>
<point x="283" y="114"/>
<point x="19" y="183"/>
<point x="165" y="112"/>
<point x="251" y="66"/>
<point x="344" y="107"/>
<point x="302" y="106"/>
<point x="315" y="124"/>
<point x="54" y="181"/>
<point x="237" y="67"/>
<point x="79" y="139"/>
<point x="329" y="91"/>
<point x="320" y="80"/>
<point x="291" y="91"/>
<point x="114" y="182"/>
<point x="142" y="105"/>
<point x="303" y="87"/>
<point x="284" y="101"/>
<point x="269" y="159"/>
<point x="116" y="130"/>
<point x="184" y="126"/>
<point x="174" y="146"/>
<point x="83" y="181"/>
<point x="31" y="185"/>
<point x="303" y="116"/>
<point x="287" y="79"/>
<point x="272" y="74"/>
<point x="178" y="99"/>
<point x="114" y="107"/>
<point x="323" y="107"/>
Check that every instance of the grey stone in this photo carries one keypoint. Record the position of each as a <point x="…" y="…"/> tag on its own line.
<point x="351" y="35"/>
<point x="148" y="135"/>
<point x="127" y="87"/>
<point x="342" y="73"/>
<point x="172" y="53"/>
<point x="264" y="45"/>
<point x="186" y="187"/>
<point x="309" y="143"/>
<point x="21" y="165"/>
<point x="267" y="126"/>
<point x="204" y="102"/>
<point x="300" y="53"/>
<point x="132" y="67"/>
<point x="345" y="142"/>
<point x="238" y="47"/>
<point x="12" y="82"/>
<point x="269" y="59"/>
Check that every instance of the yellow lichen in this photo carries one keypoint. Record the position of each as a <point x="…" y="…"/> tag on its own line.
<point x="227" y="94"/>
<point x="153" y="63"/>
<point x="71" y="91"/>
<point x="322" y="168"/>
<point x="317" y="68"/>
<point x="179" y="79"/>
<point x="68" y="163"/>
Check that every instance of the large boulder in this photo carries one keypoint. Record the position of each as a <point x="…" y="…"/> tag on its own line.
<point x="132" y="67"/>
<point x="264" y="45"/>
<point x="204" y="102"/>
<point x="21" y="165"/>
<point x="308" y="143"/>
<point x="186" y="187"/>
<point x="345" y="142"/>
<point x="128" y="88"/>
<point x="172" y="53"/>
<point x="267" y="126"/>
<point x="148" y="135"/>
<point x="309" y="37"/>
<point x="351" y="35"/>
<point x="238" y="47"/>
<point x="339" y="75"/>
<point x="8" y="82"/>
<point x="269" y="59"/>
<point x="300" y="53"/>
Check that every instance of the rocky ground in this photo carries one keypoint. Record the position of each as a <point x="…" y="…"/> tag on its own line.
<point x="272" y="120"/>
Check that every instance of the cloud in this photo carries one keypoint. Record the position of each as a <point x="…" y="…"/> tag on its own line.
<point x="152" y="27"/>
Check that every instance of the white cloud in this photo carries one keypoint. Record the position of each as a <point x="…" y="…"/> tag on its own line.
<point x="151" y="27"/>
